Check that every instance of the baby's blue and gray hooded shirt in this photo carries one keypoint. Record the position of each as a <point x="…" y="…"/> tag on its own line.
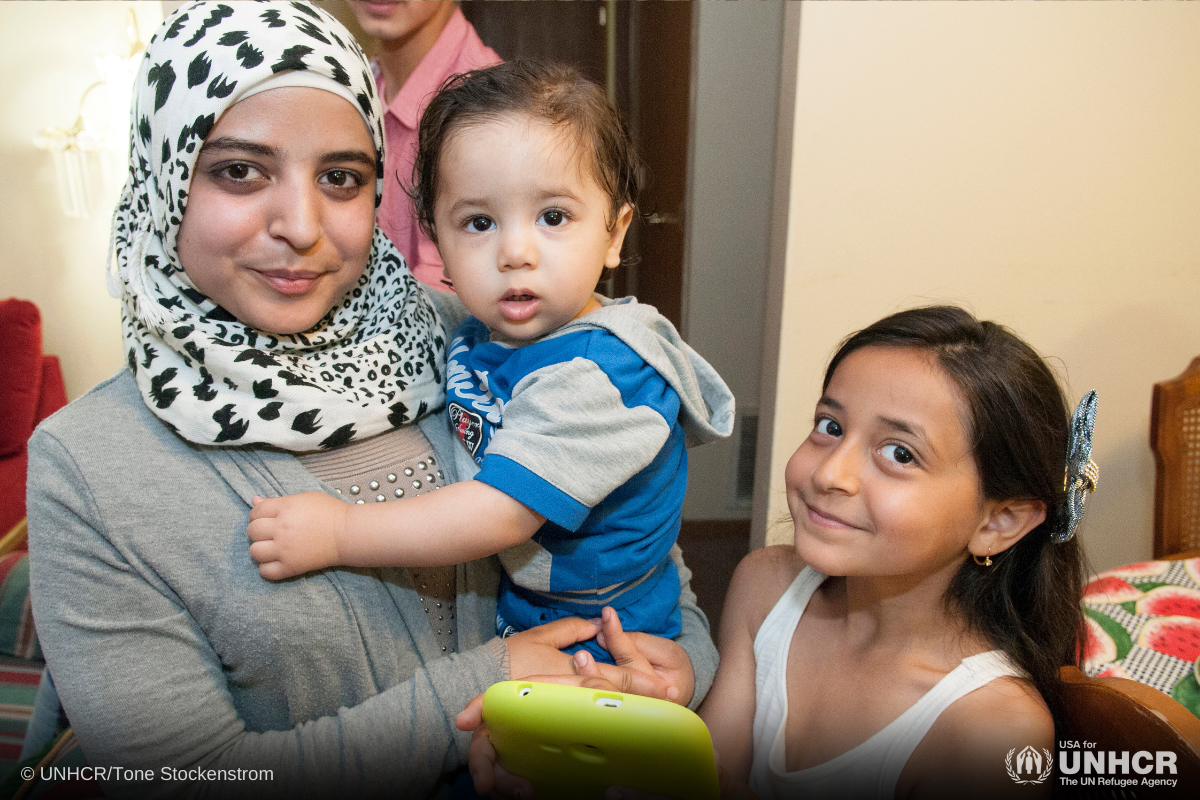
<point x="588" y="426"/>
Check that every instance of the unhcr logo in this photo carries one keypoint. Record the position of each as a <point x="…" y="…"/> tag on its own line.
<point x="1030" y="765"/>
<point x="1091" y="766"/>
<point x="1094" y="773"/>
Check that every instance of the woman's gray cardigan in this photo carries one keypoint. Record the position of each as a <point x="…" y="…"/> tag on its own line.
<point x="169" y="650"/>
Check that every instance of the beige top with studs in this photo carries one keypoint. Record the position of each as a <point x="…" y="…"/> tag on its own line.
<point x="394" y="465"/>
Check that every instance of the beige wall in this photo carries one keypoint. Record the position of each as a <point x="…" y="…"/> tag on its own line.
<point x="47" y="55"/>
<point x="1038" y="163"/>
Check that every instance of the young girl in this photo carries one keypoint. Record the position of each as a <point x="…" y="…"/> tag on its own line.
<point x="909" y="644"/>
<point x="575" y="408"/>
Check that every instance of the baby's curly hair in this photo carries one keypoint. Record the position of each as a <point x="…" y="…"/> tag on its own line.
<point x="542" y="90"/>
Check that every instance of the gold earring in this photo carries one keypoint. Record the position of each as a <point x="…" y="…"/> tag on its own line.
<point x="985" y="562"/>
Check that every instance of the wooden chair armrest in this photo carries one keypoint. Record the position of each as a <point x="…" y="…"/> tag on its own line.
<point x="1148" y="700"/>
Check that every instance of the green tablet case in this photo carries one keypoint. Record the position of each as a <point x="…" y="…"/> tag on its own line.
<point x="573" y="742"/>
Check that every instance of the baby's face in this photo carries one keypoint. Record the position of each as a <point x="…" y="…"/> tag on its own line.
<point x="522" y="226"/>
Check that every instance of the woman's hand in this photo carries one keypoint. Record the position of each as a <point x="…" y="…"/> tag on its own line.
<point x="486" y="773"/>
<point x="296" y="534"/>
<point x="536" y="654"/>
<point x="493" y="780"/>
<point x="538" y="651"/>
<point x="647" y="665"/>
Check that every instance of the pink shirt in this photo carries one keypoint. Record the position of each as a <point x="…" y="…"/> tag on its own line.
<point x="456" y="50"/>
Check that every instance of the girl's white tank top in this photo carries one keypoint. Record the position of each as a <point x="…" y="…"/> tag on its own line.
<point x="871" y="769"/>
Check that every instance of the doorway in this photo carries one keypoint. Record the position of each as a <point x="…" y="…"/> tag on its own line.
<point x="641" y="52"/>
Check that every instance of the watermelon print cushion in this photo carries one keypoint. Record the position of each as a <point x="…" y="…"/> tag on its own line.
<point x="1143" y="623"/>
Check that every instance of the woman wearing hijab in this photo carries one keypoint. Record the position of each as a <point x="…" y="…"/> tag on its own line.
<point x="276" y="343"/>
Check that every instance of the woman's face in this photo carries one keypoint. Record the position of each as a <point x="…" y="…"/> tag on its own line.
<point x="281" y="209"/>
<point x="886" y="483"/>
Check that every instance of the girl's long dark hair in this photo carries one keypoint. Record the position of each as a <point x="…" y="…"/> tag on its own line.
<point x="1027" y="603"/>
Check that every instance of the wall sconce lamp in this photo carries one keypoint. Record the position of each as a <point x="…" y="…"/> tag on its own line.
<point x="93" y="132"/>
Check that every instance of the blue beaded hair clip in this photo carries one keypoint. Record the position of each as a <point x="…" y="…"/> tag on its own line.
<point x="1082" y="474"/>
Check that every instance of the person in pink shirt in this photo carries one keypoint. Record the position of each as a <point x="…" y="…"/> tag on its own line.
<point x="421" y="45"/>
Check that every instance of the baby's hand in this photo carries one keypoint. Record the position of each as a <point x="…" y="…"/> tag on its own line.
<point x="296" y="534"/>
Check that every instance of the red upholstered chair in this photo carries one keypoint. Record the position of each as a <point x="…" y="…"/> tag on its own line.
<point x="31" y="389"/>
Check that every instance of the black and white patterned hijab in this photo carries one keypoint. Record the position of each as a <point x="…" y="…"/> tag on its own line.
<point x="373" y="363"/>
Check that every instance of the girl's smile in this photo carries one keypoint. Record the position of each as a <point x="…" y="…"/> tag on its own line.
<point x="824" y="520"/>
